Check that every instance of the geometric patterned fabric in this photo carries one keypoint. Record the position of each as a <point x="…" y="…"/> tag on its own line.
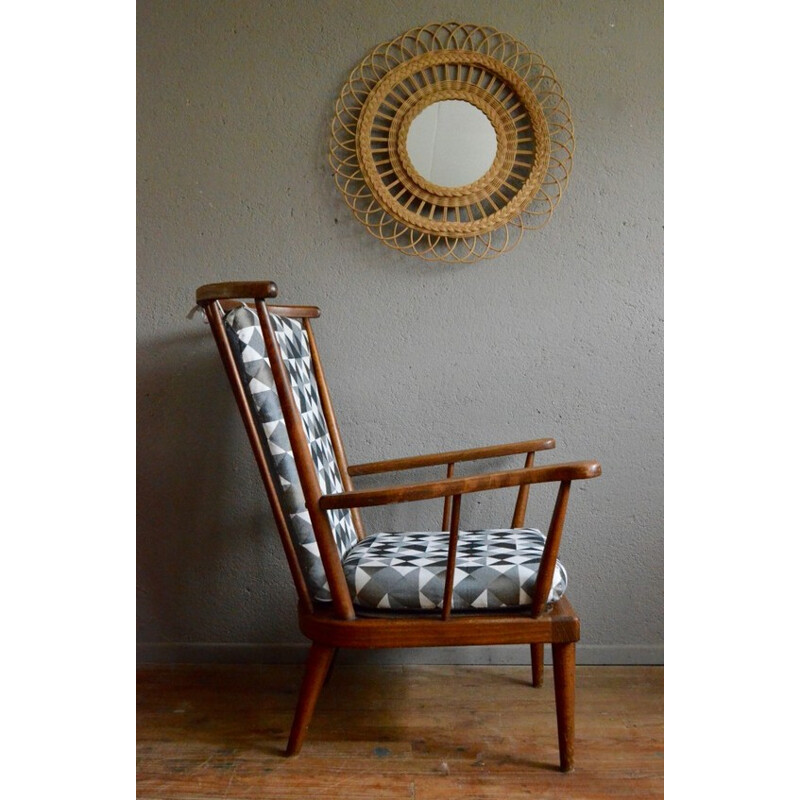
<point x="244" y="333"/>
<point x="406" y="571"/>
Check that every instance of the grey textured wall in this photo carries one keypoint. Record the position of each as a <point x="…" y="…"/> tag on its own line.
<point x="561" y="337"/>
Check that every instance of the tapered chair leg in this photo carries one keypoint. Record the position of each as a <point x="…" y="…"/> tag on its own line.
<point x="317" y="666"/>
<point x="564" y="678"/>
<point x="537" y="664"/>
<point x="331" y="666"/>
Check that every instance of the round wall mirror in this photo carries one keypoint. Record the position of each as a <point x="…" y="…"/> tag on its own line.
<point x="451" y="143"/>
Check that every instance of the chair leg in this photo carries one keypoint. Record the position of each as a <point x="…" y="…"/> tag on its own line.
<point x="317" y="666"/>
<point x="537" y="664"/>
<point x="330" y="668"/>
<point x="564" y="677"/>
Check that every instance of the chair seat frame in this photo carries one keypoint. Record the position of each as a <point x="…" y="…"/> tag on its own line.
<point x="340" y="623"/>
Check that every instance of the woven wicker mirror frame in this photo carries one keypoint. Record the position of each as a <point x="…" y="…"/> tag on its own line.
<point x="510" y="85"/>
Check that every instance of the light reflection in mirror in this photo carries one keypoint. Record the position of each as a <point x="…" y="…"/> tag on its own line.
<point x="451" y="143"/>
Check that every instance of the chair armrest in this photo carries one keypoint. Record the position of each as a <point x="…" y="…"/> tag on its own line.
<point x="433" y="459"/>
<point x="575" y="470"/>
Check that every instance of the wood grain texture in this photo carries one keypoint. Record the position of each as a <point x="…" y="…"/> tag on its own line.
<point x="453" y="456"/>
<point x="229" y="290"/>
<point x="558" y="623"/>
<point x="422" y="732"/>
<point x="429" y="490"/>
<point x="296" y="312"/>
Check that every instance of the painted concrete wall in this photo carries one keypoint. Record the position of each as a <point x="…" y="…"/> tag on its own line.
<point x="561" y="337"/>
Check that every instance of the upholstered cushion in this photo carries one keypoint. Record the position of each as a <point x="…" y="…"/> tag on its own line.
<point x="244" y="333"/>
<point x="495" y="569"/>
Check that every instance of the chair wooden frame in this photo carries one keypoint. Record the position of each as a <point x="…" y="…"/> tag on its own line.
<point x="339" y="624"/>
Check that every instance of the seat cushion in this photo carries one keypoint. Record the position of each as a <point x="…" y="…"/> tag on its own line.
<point x="495" y="569"/>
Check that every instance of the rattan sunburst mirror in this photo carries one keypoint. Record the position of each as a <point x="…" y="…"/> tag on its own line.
<point x="385" y="108"/>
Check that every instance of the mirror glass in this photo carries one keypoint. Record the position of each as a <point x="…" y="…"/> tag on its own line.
<point x="451" y="143"/>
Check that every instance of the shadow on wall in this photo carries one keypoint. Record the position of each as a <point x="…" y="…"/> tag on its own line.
<point x="207" y="547"/>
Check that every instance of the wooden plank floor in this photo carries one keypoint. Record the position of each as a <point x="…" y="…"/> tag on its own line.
<point x="420" y="732"/>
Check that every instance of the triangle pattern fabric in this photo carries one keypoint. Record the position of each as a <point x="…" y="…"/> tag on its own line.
<point x="244" y="333"/>
<point x="495" y="569"/>
<point x="402" y="571"/>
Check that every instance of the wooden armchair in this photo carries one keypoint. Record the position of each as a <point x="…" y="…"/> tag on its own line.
<point x="407" y="589"/>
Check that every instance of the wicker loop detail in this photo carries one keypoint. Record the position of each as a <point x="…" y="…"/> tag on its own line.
<point x="510" y="85"/>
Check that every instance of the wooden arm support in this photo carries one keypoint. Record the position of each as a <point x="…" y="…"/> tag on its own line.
<point x="434" y="459"/>
<point x="575" y="470"/>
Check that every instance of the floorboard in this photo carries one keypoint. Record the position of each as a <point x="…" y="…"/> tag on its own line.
<point x="421" y="732"/>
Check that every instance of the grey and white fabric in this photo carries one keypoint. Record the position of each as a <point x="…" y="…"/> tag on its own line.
<point x="496" y="569"/>
<point x="244" y="333"/>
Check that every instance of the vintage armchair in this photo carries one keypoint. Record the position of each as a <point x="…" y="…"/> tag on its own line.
<point x="388" y="589"/>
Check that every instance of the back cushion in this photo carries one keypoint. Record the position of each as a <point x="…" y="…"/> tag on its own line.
<point x="247" y="343"/>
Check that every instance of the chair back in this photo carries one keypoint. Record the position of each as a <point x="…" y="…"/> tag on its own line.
<point x="282" y="431"/>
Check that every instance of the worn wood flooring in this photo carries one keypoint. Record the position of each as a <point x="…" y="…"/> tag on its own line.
<point x="420" y="732"/>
